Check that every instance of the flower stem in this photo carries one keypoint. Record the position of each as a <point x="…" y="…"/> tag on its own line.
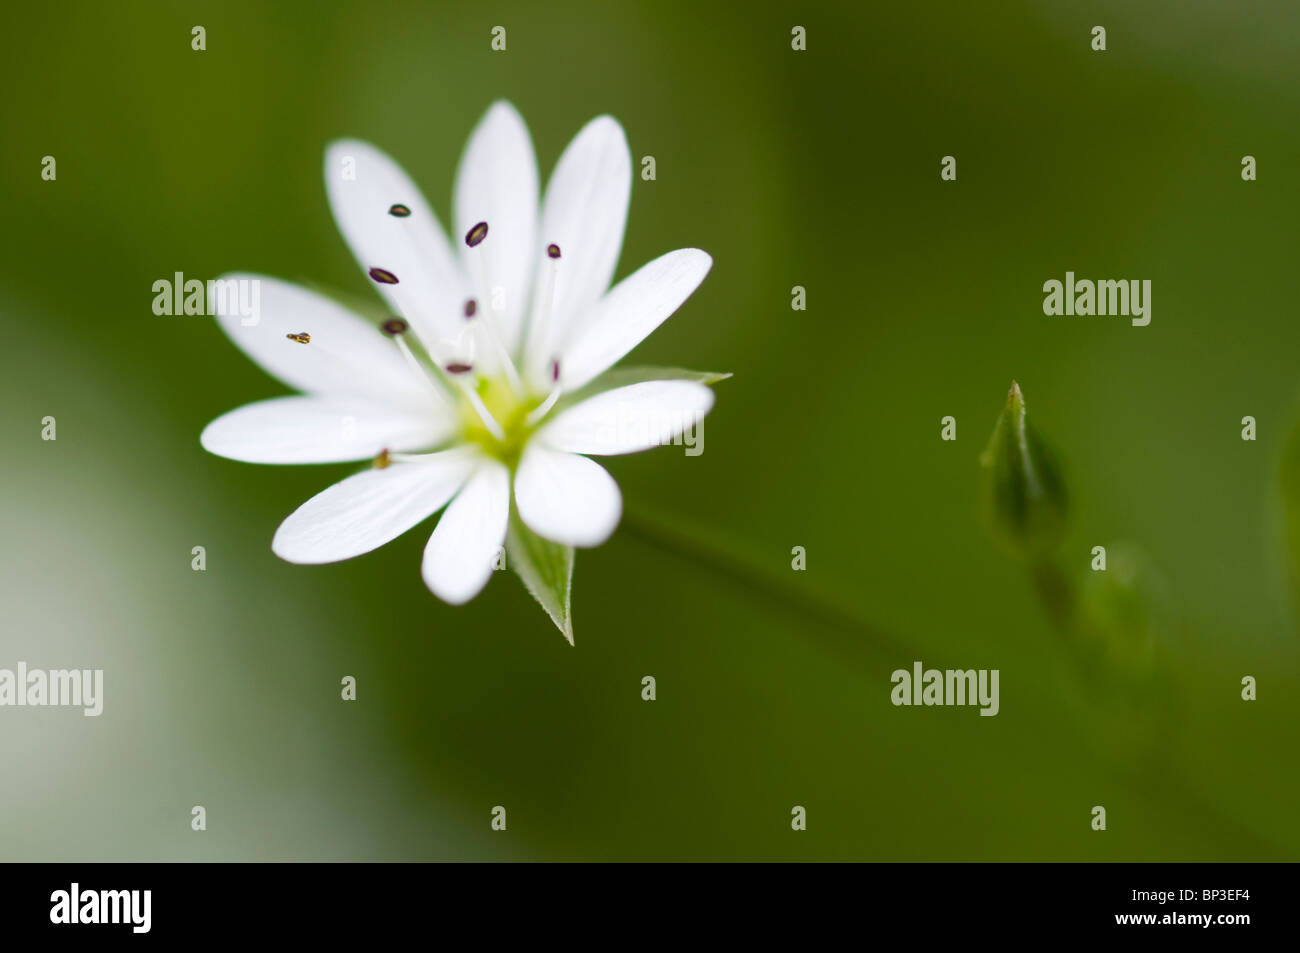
<point x="853" y="631"/>
<point x="1055" y="592"/>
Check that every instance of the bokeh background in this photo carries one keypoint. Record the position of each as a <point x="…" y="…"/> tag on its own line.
<point x="818" y="168"/>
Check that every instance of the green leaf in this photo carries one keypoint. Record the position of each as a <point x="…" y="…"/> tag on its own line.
<point x="546" y="570"/>
<point x="1025" y="490"/>
<point x="625" y="376"/>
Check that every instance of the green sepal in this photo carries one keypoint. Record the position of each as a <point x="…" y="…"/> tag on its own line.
<point x="546" y="570"/>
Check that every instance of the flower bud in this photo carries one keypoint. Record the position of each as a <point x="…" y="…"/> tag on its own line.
<point x="1025" y="491"/>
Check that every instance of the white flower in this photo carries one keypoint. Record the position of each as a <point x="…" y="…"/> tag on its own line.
<point x="479" y="400"/>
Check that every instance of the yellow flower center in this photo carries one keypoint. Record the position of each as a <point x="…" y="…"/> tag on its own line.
<point x="509" y="410"/>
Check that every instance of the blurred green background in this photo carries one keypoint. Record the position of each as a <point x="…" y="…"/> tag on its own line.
<point x="819" y="169"/>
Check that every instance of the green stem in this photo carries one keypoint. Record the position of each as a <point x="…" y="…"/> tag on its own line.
<point x="852" y="629"/>
<point x="1055" y="592"/>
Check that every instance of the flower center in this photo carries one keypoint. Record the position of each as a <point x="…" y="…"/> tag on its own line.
<point x="498" y="414"/>
<point x="514" y="415"/>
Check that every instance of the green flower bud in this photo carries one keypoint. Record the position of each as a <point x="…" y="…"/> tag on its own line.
<point x="1123" y="608"/>
<point x="1025" y="491"/>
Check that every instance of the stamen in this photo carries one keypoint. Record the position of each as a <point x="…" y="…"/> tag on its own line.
<point x="403" y="296"/>
<point x="512" y="375"/>
<point x="482" y="279"/>
<point x="382" y="461"/>
<point x="542" y="409"/>
<point x="465" y="347"/>
<point x="399" y="211"/>
<point x="302" y="337"/>
<point x="396" y="329"/>
<point x="460" y="372"/>
<point x="541" y="332"/>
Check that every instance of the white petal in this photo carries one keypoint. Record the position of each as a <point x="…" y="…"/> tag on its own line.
<point x="318" y="430"/>
<point x="367" y="510"/>
<point x="363" y="184"/>
<point x="584" y="212"/>
<point x="630" y="312"/>
<point x="629" y="419"/>
<point x="497" y="183"/>
<point x="566" y="498"/>
<point x="346" y="355"/>
<point x="458" y="560"/>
